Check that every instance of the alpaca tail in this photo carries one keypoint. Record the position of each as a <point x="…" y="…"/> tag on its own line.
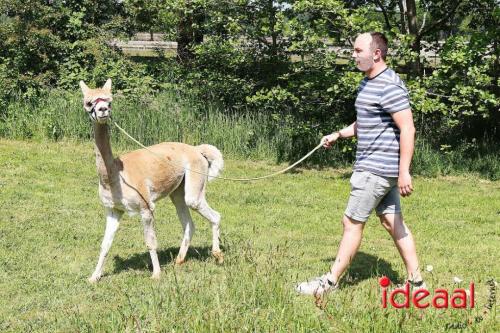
<point x="214" y="158"/>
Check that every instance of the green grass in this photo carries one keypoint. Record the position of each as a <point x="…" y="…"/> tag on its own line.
<point x="164" y="117"/>
<point x="274" y="233"/>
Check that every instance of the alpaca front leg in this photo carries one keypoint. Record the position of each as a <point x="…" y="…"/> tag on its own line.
<point x="151" y="243"/>
<point x="112" y="223"/>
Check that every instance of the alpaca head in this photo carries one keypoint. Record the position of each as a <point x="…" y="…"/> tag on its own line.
<point x="97" y="102"/>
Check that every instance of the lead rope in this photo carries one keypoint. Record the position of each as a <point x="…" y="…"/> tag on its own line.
<point x="224" y="178"/>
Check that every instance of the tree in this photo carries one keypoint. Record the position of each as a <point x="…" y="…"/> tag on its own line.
<point x="38" y="39"/>
<point x="144" y="15"/>
<point x="189" y="29"/>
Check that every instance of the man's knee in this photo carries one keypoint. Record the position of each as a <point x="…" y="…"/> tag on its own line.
<point x="394" y="224"/>
<point x="351" y="225"/>
<point x="387" y="222"/>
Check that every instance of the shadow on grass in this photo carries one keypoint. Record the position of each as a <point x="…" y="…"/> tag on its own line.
<point x="366" y="266"/>
<point x="165" y="256"/>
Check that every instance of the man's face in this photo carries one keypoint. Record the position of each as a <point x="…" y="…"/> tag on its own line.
<point x="363" y="54"/>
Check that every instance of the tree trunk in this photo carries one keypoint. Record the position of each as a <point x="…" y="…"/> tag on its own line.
<point x="272" y="28"/>
<point x="199" y="18"/>
<point x="496" y="88"/>
<point x="184" y="38"/>
<point x="411" y="15"/>
<point x="402" y="12"/>
<point x="496" y="66"/>
<point x="187" y="35"/>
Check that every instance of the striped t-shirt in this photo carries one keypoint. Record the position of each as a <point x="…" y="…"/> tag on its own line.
<point x="378" y="135"/>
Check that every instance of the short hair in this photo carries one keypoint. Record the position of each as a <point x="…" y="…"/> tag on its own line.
<point x="379" y="41"/>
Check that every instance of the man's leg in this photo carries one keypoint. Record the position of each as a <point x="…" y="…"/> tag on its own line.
<point x="349" y="245"/>
<point x="403" y="239"/>
<point x="351" y="239"/>
<point x="361" y="202"/>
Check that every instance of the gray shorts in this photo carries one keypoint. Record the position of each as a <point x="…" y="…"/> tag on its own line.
<point x="370" y="191"/>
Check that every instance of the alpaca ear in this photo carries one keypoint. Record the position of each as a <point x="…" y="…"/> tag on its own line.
<point x="107" y="85"/>
<point x="84" y="87"/>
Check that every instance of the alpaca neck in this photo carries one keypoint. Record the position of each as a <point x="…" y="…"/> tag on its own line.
<point x="106" y="168"/>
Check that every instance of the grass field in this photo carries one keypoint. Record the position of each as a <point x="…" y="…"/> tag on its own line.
<point x="275" y="233"/>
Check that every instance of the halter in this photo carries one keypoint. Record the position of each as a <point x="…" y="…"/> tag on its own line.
<point x="92" y="113"/>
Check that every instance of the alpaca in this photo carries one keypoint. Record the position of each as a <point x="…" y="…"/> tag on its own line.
<point x="133" y="182"/>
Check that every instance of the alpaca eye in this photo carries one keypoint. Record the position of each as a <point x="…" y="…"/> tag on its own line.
<point x="89" y="104"/>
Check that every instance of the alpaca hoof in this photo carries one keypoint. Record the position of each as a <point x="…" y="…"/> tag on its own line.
<point x="219" y="256"/>
<point x="156" y="276"/>
<point x="179" y="261"/>
<point x="94" y="278"/>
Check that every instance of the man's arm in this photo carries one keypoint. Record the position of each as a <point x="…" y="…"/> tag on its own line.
<point x="346" y="132"/>
<point x="404" y="121"/>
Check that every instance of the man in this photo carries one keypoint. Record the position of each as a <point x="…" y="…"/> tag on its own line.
<point x="385" y="132"/>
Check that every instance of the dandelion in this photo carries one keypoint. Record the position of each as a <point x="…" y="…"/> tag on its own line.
<point x="456" y="279"/>
<point x="429" y="268"/>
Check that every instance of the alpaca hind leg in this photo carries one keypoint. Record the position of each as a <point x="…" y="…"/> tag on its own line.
<point x="186" y="221"/>
<point x="151" y="242"/>
<point x="112" y="223"/>
<point x="214" y="218"/>
<point x="195" y="199"/>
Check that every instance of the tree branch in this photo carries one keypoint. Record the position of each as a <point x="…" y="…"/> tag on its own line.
<point x="439" y="22"/>
<point x="263" y="40"/>
<point x="384" y="11"/>
<point x="423" y="24"/>
<point x="425" y="17"/>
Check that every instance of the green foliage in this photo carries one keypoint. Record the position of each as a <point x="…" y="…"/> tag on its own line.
<point x="459" y="96"/>
<point x="94" y="61"/>
<point x="276" y="59"/>
<point x="147" y="15"/>
<point x="223" y="72"/>
<point x="46" y="44"/>
<point x="273" y="58"/>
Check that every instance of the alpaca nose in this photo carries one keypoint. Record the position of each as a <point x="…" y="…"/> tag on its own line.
<point x="103" y="109"/>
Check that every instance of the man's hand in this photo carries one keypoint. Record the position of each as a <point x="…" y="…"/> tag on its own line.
<point x="328" y="140"/>
<point x="404" y="184"/>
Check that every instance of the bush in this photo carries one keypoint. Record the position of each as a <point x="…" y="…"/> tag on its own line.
<point x="56" y="43"/>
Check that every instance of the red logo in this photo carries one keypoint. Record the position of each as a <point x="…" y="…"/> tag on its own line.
<point x="422" y="298"/>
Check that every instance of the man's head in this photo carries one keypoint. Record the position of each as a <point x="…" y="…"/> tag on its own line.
<point x="370" y="48"/>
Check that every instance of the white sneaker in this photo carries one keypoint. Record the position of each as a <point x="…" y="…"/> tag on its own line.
<point x="416" y="285"/>
<point x="413" y="285"/>
<point x="317" y="287"/>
